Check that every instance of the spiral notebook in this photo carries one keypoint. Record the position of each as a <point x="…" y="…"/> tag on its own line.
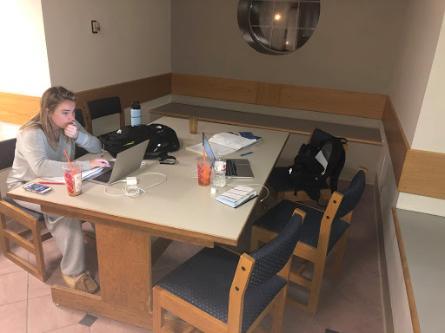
<point x="237" y="196"/>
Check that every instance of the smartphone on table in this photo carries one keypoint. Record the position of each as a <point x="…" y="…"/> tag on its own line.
<point x="37" y="188"/>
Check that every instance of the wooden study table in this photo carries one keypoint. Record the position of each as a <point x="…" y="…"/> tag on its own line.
<point x="178" y="209"/>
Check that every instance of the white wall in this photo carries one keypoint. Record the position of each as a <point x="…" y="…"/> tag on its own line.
<point x="134" y="41"/>
<point x="352" y="48"/>
<point x="430" y="133"/>
<point x="417" y="89"/>
<point x="416" y="51"/>
<point x="23" y="59"/>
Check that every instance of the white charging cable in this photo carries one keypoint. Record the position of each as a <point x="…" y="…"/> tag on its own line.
<point x="131" y="188"/>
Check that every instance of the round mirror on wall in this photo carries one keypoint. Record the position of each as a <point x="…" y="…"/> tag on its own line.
<point x="278" y="26"/>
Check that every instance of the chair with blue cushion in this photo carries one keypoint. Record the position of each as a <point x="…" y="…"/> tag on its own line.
<point x="323" y="233"/>
<point x="219" y="291"/>
<point x="32" y="221"/>
<point x="29" y="220"/>
<point x="81" y="119"/>
<point x="103" y="107"/>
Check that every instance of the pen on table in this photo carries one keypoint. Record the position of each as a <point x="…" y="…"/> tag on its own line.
<point x="51" y="183"/>
<point x="246" y="153"/>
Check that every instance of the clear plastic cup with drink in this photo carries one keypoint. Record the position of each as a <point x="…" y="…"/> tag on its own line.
<point x="73" y="179"/>
<point x="204" y="171"/>
<point x="219" y="173"/>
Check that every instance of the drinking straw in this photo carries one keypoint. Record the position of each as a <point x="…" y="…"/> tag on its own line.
<point x="70" y="165"/>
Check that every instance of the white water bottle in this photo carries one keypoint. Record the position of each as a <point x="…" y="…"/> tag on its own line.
<point x="135" y="113"/>
<point x="219" y="173"/>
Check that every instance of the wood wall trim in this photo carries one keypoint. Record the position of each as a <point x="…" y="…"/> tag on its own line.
<point x="416" y="171"/>
<point x="214" y="88"/>
<point x="18" y="109"/>
<point x="334" y="101"/>
<point x="423" y="174"/>
<point x="406" y="275"/>
<point x="397" y="142"/>
<point x="142" y="90"/>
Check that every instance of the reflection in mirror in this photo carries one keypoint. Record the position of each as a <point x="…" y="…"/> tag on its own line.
<point x="278" y="26"/>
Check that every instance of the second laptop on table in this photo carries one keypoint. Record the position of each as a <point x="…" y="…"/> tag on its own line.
<point x="235" y="168"/>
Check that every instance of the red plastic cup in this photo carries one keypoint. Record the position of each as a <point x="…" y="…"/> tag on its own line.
<point x="73" y="179"/>
<point x="204" y="171"/>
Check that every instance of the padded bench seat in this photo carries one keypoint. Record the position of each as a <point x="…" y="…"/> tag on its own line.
<point x="291" y="125"/>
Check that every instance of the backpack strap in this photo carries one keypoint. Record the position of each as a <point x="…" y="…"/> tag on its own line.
<point x="337" y="161"/>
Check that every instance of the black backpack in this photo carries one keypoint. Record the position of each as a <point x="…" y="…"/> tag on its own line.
<point x="318" y="164"/>
<point x="163" y="140"/>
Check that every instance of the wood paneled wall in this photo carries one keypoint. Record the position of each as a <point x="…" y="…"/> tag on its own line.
<point x="423" y="174"/>
<point x="142" y="90"/>
<point x="18" y="109"/>
<point x="397" y="142"/>
<point x="416" y="171"/>
<point x="335" y="101"/>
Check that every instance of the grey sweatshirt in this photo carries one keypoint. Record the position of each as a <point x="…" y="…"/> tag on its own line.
<point x="34" y="156"/>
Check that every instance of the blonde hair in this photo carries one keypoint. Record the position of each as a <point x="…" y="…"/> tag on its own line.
<point x="49" y="101"/>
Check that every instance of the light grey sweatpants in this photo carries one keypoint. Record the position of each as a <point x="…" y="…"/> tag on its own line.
<point x="67" y="232"/>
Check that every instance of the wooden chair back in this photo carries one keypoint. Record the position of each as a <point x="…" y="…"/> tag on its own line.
<point x="340" y="206"/>
<point x="32" y="223"/>
<point x="251" y="272"/>
<point x="103" y="107"/>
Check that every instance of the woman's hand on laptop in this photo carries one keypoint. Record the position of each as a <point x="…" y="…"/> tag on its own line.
<point x="99" y="162"/>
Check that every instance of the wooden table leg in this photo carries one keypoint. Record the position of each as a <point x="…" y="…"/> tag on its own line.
<point x="124" y="259"/>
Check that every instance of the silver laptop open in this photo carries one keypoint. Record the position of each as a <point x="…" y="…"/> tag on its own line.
<point x="235" y="168"/>
<point x="126" y="162"/>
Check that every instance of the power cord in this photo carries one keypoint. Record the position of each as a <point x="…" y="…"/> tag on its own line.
<point x="131" y="188"/>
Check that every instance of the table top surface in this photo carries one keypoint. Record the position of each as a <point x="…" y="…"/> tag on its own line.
<point x="179" y="205"/>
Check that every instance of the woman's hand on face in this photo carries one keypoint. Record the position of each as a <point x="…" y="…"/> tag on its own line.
<point x="71" y="131"/>
<point x="99" y="162"/>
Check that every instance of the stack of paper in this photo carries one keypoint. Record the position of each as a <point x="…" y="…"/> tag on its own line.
<point x="225" y="143"/>
<point x="231" y="140"/>
<point x="91" y="173"/>
<point x="236" y="196"/>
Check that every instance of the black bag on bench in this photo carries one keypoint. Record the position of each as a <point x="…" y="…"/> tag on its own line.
<point x="317" y="166"/>
<point x="163" y="140"/>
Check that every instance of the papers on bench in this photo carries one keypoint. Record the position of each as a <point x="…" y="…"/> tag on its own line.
<point x="237" y="196"/>
<point x="225" y="143"/>
<point x="231" y="140"/>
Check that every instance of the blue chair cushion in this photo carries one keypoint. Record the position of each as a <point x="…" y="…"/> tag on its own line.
<point x="205" y="279"/>
<point x="277" y="217"/>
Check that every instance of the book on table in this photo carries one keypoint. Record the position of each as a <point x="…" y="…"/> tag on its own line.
<point x="236" y="196"/>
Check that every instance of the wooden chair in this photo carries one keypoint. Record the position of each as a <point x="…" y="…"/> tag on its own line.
<point x="103" y="107"/>
<point x="81" y="117"/>
<point x="324" y="232"/>
<point x="219" y="291"/>
<point x="10" y="212"/>
<point x="31" y="221"/>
